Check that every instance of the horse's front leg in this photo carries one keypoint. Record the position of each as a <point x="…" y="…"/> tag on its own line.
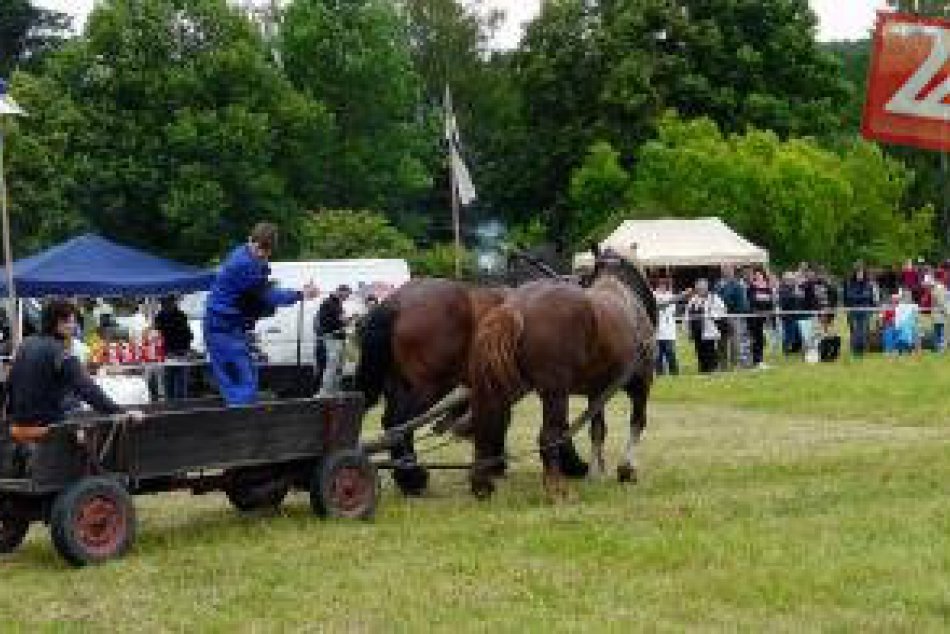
<point x="489" y="427"/>
<point x="638" y="390"/>
<point x="553" y="435"/>
<point x="598" y="435"/>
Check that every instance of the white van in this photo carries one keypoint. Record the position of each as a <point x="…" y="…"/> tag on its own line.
<point x="278" y="334"/>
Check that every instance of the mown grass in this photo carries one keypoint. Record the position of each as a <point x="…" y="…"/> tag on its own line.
<point x="796" y="499"/>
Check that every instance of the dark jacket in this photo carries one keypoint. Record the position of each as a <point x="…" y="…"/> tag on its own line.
<point x="733" y="295"/>
<point x="41" y="379"/>
<point x="761" y="299"/>
<point x="173" y="324"/>
<point x="329" y="322"/>
<point x="858" y="294"/>
<point x="791" y="297"/>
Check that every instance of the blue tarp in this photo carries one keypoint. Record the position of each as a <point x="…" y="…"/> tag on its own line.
<point x="91" y="266"/>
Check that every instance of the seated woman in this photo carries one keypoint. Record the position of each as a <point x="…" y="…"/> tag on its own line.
<point x="45" y="375"/>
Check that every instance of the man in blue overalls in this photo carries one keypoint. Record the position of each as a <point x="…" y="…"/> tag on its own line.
<point x="240" y="295"/>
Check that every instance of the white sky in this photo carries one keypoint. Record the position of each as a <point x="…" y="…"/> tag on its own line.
<point x="839" y="19"/>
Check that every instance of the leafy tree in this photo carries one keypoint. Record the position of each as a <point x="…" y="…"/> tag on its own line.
<point x="355" y="58"/>
<point x="40" y="165"/>
<point x="598" y="188"/>
<point x="28" y="32"/>
<point x="186" y="133"/>
<point x="439" y="261"/>
<point x="605" y="70"/>
<point x="800" y="201"/>
<point x="341" y="234"/>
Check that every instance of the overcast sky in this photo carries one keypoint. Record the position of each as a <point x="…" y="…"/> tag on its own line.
<point x="839" y="19"/>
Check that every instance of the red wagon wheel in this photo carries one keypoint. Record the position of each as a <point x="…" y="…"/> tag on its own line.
<point x="93" y="521"/>
<point x="346" y="485"/>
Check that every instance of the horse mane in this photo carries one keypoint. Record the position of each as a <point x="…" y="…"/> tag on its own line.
<point x="633" y="278"/>
<point x="493" y="363"/>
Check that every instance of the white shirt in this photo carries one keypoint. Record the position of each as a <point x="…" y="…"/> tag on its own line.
<point x="666" y="324"/>
<point x="712" y="308"/>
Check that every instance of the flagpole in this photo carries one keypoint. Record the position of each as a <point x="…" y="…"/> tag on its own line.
<point x="456" y="218"/>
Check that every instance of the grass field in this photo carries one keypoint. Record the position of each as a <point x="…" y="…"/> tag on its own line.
<point x="803" y="498"/>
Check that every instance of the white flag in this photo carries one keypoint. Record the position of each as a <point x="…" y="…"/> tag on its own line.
<point x="460" y="174"/>
<point x="7" y="105"/>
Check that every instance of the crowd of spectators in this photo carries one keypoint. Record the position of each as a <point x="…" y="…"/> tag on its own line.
<point x="894" y="310"/>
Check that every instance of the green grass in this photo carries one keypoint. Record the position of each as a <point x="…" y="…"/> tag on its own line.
<point x="803" y="498"/>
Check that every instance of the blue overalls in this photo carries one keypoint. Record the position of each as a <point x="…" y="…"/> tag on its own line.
<point x="225" y="322"/>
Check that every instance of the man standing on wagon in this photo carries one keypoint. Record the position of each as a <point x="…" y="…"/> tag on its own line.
<point x="240" y="295"/>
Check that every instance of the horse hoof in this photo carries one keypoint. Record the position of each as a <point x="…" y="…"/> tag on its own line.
<point x="413" y="482"/>
<point x="482" y="489"/>
<point x="627" y="474"/>
<point x="572" y="465"/>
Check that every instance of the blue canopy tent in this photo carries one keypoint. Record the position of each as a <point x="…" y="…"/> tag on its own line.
<point x="91" y="266"/>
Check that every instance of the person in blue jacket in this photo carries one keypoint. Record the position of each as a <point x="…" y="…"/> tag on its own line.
<point x="240" y="295"/>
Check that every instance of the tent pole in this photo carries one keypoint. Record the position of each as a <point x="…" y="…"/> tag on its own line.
<point x="16" y="330"/>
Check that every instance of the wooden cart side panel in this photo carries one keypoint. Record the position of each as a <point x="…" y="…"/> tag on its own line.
<point x="271" y="432"/>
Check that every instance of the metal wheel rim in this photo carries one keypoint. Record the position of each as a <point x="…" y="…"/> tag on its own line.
<point x="100" y="525"/>
<point x="351" y="491"/>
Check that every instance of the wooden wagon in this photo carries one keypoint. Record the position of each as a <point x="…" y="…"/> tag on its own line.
<point x="80" y="477"/>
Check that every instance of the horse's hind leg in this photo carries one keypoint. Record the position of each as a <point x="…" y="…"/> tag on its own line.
<point x="598" y="434"/>
<point x="638" y="390"/>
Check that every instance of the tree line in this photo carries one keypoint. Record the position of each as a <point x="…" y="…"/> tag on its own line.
<point x="175" y="124"/>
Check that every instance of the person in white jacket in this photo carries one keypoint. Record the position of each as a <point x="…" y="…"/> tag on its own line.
<point x="666" y="328"/>
<point x="705" y="312"/>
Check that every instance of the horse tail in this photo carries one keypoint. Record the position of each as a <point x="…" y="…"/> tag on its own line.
<point x="376" y="352"/>
<point x="493" y="363"/>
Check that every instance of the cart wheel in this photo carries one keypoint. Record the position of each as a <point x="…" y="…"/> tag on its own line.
<point x="250" y="491"/>
<point x="345" y="485"/>
<point x="13" y="531"/>
<point x="93" y="521"/>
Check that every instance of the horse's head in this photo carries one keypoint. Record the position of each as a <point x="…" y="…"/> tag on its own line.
<point x="609" y="262"/>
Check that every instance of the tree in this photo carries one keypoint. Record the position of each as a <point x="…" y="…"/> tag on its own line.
<point x="40" y="165"/>
<point x="186" y="133"/>
<point x="28" y="32"/>
<point x="797" y="199"/>
<point x="355" y="58"/>
<point x="341" y="234"/>
<point x="439" y="261"/>
<point x="606" y="70"/>
<point x="598" y="188"/>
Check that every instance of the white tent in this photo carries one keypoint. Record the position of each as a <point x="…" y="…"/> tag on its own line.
<point x="679" y="242"/>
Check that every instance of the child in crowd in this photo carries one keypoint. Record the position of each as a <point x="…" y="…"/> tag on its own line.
<point x="666" y="328"/>
<point x="906" y="318"/>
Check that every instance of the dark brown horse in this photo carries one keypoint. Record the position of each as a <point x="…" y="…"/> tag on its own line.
<point x="560" y="339"/>
<point x="415" y="350"/>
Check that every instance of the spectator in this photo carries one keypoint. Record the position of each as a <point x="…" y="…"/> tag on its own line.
<point x="329" y="327"/>
<point x="732" y="292"/>
<point x="909" y="279"/>
<point x="791" y="298"/>
<point x="906" y="318"/>
<point x="938" y="294"/>
<point x="762" y="304"/>
<point x="172" y="323"/>
<point x="859" y="294"/>
<point x="888" y="329"/>
<point x="705" y="312"/>
<point x="666" y="329"/>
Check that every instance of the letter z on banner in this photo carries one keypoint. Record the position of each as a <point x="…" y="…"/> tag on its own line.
<point x="908" y="100"/>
